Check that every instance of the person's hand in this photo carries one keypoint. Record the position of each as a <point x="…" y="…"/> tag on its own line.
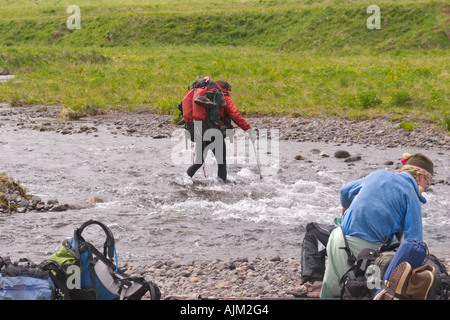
<point x="252" y="135"/>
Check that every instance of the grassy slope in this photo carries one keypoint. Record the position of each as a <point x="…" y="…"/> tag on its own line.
<point x="311" y="58"/>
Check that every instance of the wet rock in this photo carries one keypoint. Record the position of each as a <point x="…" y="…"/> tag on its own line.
<point x="23" y="203"/>
<point x="39" y="206"/>
<point x="21" y="209"/>
<point x="74" y="206"/>
<point x="341" y="154"/>
<point x="59" y="208"/>
<point x="353" y="159"/>
<point x="52" y="201"/>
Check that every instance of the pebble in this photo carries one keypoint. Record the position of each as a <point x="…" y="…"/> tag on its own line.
<point x="381" y="131"/>
<point x="258" y="277"/>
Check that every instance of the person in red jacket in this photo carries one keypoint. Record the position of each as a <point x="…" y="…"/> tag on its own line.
<point x="194" y="111"/>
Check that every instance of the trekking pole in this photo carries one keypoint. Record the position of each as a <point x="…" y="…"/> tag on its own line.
<point x="258" y="163"/>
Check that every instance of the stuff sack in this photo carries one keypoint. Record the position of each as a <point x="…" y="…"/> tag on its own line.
<point x="410" y="251"/>
<point x="24" y="280"/>
<point x="99" y="277"/>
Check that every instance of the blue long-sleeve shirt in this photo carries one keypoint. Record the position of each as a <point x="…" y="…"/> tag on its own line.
<point x="381" y="204"/>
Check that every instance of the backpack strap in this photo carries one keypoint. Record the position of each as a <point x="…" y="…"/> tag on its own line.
<point x="58" y="276"/>
<point x="351" y="259"/>
<point x="393" y="293"/>
<point x="108" y="246"/>
<point x="2" y="263"/>
<point x="109" y="250"/>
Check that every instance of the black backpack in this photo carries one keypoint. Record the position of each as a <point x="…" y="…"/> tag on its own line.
<point x="440" y="290"/>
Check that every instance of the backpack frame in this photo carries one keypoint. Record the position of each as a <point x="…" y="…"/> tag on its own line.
<point x="101" y="278"/>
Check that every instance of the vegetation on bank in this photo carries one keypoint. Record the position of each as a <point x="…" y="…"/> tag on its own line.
<point x="10" y="188"/>
<point x="299" y="58"/>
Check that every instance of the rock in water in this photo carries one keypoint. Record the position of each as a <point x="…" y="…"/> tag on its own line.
<point x="342" y="154"/>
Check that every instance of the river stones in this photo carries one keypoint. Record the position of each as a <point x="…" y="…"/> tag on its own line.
<point x="341" y="154"/>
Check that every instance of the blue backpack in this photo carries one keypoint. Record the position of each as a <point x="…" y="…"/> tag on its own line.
<point x="24" y="280"/>
<point x="99" y="276"/>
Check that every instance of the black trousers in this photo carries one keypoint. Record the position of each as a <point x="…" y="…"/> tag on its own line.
<point x="313" y="259"/>
<point x="200" y="159"/>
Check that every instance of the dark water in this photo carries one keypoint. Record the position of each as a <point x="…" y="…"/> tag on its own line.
<point x="154" y="212"/>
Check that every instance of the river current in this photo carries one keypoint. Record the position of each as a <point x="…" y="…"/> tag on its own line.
<point x="154" y="212"/>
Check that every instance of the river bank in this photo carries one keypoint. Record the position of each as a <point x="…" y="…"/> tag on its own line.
<point x="201" y="238"/>
<point x="240" y="278"/>
<point x="376" y="132"/>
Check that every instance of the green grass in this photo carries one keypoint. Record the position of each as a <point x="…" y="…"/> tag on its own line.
<point x="299" y="58"/>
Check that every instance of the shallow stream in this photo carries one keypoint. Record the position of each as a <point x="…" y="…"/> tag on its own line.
<point x="154" y="212"/>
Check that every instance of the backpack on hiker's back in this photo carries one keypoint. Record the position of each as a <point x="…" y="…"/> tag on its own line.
<point x="201" y="107"/>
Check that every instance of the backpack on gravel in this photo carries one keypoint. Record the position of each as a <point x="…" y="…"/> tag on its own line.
<point x="361" y="280"/>
<point x="92" y="275"/>
<point x="24" y="280"/>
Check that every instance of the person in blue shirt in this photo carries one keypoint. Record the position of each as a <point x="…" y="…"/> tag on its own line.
<point x="375" y="207"/>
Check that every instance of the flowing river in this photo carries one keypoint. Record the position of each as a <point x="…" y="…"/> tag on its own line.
<point x="154" y="212"/>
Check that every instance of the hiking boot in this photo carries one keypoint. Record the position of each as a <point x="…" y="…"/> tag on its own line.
<point x="420" y="282"/>
<point x="398" y="282"/>
<point x="204" y="101"/>
<point x="308" y="289"/>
